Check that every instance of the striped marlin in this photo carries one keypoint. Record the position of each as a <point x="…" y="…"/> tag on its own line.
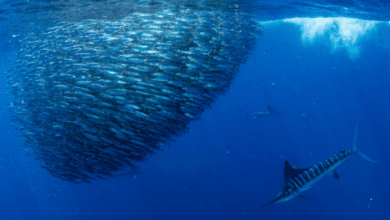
<point x="299" y="180"/>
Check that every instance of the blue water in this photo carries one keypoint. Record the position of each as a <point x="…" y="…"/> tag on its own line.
<point x="228" y="164"/>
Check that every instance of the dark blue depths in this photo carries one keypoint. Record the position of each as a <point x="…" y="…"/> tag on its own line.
<point x="229" y="164"/>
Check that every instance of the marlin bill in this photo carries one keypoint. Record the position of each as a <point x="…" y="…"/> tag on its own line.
<point x="271" y="112"/>
<point x="299" y="180"/>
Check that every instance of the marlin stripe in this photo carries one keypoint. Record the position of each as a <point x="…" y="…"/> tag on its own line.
<point x="298" y="181"/>
<point x="326" y="163"/>
<point x="331" y="160"/>
<point x="319" y="168"/>
<point x="316" y="169"/>
<point x="308" y="178"/>
<point x="296" y="185"/>
<point x="322" y="166"/>
<point x="307" y="174"/>
<point x="312" y="172"/>
<point x="302" y="178"/>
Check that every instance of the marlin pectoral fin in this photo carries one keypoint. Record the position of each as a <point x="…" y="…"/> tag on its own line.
<point x="334" y="174"/>
<point x="307" y="199"/>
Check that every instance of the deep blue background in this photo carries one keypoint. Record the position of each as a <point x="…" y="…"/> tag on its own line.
<point x="229" y="164"/>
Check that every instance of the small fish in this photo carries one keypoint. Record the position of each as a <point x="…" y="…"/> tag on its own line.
<point x="95" y="96"/>
<point x="271" y="112"/>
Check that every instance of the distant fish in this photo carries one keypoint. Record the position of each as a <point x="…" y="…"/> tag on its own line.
<point x="133" y="171"/>
<point x="299" y="180"/>
<point x="271" y="112"/>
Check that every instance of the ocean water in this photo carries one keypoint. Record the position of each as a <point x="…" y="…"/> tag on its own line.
<point x="324" y="65"/>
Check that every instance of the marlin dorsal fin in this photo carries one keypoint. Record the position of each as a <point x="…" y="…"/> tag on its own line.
<point x="290" y="172"/>
<point x="270" y="109"/>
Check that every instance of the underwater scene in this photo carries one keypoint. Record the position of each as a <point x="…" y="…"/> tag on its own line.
<point x="208" y="109"/>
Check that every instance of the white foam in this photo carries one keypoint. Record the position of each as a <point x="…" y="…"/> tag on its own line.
<point x="343" y="33"/>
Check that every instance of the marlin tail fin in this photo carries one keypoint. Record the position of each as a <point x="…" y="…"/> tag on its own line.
<point x="365" y="157"/>
<point x="356" y="148"/>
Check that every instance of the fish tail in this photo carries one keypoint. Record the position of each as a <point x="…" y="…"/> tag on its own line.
<point x="356" y="148"/>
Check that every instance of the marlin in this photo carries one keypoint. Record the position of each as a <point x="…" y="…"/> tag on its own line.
<point x="299" y="180"/>
<point x="271" y="112"/>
